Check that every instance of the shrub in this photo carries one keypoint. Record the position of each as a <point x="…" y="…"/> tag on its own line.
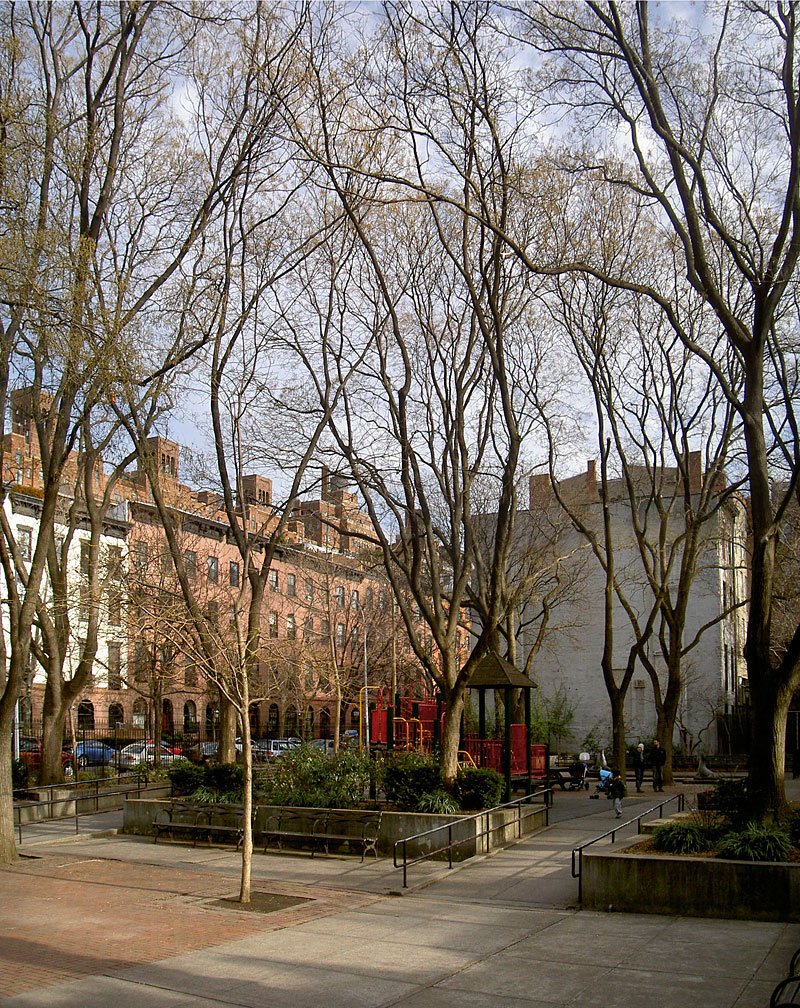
<point x="438" y="802"/>
<point x="19" y="775"/>
<point x="756" y="843"/>
<point x="479" y="788"/>
<point x="227" y="778"/>
<point x="186" y="777"/>
<point x="794" y="827"/>
<point x="409" y="776"/>
<point x="734" y="801"/>
<point x="682" y="838"/>
<point x="215" y="782"/>
<point x="309" y="778"/>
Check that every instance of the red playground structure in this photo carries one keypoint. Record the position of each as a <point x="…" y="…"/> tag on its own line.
<point x="417" y="726"/>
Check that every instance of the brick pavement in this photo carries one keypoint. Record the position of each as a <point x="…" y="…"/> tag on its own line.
<point x="65" y="917"/>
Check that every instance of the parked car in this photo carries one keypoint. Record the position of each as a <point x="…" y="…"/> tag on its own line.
<point x="92" y="752"/>
<point x="170" y="747"/>
<point x="272" y="748"/>
<point x="30" y="752"/>
<point x="144" y="752"/>
<point x="202" y="752"/>
<point x="324" y="745"/>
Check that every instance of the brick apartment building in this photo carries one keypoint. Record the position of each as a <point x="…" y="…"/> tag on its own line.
<point x="328" y="622"/>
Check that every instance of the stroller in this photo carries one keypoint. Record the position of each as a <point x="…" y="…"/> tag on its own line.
<point x="603" y="783"/>
<point x="578" y="776"/>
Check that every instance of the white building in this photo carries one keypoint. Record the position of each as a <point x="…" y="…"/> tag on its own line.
<point x="569" y="661"/>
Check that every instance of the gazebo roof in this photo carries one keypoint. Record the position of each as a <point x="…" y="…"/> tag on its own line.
<point x="494" y="672"/>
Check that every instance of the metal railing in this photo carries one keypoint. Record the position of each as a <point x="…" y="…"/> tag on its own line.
<point x="483" y="819"/>
<point x="577" y="862"/>
<point x="84" y="792"/>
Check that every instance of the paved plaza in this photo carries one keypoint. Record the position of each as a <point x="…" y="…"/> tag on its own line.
<point x="107" y="921"/>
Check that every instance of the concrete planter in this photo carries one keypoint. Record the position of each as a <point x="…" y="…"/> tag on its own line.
<point x="139" y="815"/>
<point x="614" y="878"/>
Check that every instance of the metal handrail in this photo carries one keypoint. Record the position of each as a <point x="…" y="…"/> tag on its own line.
<point x="517" y="803"/>
<point x="578" y="874"/>
<point x="76" y="799"/>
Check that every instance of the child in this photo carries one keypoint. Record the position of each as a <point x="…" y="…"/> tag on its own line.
<point x="617" y="792"/>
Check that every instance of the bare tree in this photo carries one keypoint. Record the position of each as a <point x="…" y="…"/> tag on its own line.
<point x="113" y="186"/>
<point x="708" y="113"/>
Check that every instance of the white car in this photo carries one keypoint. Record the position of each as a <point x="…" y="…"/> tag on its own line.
<point x="144" y="752"/>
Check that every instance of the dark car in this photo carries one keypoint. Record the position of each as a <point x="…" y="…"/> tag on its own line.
<point x="30" y="752"/>
<point x="202" y="752"/>
<point x="92" y="752"/>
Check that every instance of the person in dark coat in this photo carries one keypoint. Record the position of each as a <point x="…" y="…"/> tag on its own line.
<point x="616" y="791"/>
<point x="638" y="766"/>
<point x="658" y="758"/>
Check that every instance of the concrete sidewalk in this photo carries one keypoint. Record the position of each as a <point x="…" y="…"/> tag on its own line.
<point x="120" y="921"/>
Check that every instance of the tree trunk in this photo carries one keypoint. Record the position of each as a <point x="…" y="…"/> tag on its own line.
<point x="247" y="812"/>
<point x="227" y="730"/>
<point x="768" y="711"/>
<point x="617" y="698"/>
<point x="451" y="736"/>
<point x="8" y="847"/>
<point x="52" y="770"/>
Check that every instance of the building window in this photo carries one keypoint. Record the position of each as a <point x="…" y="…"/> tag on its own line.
<point x="190" y="562"/>
<point x="114" y="563"/>
<point x="140" y="556"/>
<point x="84" y="601"/>
<point x="291" y="584"/>
<point x="354" y="600"/>
<point x="340" y="596"/>
<point x="25" y="542"/>
<point x="308" y="628"/>
<point x="190" y="675"/>
<point x="233" y="573"/>
<point x="368" y="598"/>
<point x="340" y="634"/>
<point x="141" y="662"/>
<point x="273" y="580"/>
<point x="212" y="611"/>
<point x="190" y="716"/>
<point x="114" y="665"/>
<point x="115" y="606"/>
<point x="291" y="627"/>
<point x="382" y="601"/>
<point x="309" y="590"/>
<point x="86" y="552"/>
<point x="85" y="716"/>
<point x="116" y="715"/>
<point x="273" y="624"/>
<point x="213" y="569"/>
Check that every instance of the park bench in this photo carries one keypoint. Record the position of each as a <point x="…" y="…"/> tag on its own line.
<point x="200" y="822"/>
<point x="323" y="828"/>
<point x="788" y="990"/>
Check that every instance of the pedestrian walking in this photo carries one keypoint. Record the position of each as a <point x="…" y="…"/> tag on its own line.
<point x="616" y="790"/>
<point x="638" y="766"/>
<point x="658" y="758"/>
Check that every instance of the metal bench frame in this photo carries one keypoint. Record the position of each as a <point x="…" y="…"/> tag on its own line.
<point x="320" y="829"/>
